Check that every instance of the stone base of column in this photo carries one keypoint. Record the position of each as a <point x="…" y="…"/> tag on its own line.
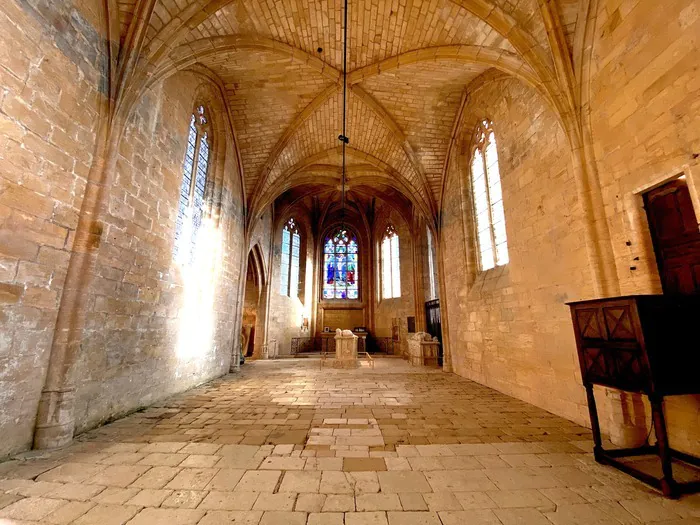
<point x="55" y="422"/>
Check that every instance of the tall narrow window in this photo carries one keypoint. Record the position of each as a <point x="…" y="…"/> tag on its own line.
<point x="391" y="271"/>
<point x="488" y="200"/>
<point x="431" y="266"/>
<point x="190" y="210"/>
<point x="289" y="265"/>
<point x="341" y="266"/>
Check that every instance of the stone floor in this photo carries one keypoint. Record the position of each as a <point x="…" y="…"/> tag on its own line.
<point x="287" y="443"/>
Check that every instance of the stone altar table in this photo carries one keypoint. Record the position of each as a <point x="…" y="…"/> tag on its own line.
<point x="345" y="350"/>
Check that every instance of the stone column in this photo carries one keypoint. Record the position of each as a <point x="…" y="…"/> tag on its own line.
<point x="55" y="421"/>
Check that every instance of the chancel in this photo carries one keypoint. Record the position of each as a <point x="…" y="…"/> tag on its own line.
<point x="349" y="262"/>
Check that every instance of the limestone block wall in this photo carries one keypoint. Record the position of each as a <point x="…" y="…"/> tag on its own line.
<point x="156" y="327"/>
<point x="644" y="103"/>
<point x="261" y="235"/>
<point x="509" y="327"/>
<point x="404" y="306"/>
<point x="53" y="79"/>
<point x="286" y="312"/>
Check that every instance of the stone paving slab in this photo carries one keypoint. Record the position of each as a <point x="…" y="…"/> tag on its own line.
<point x="286" y="443"/>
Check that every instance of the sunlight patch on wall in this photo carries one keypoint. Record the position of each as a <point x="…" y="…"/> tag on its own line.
<point x="200" y="280"/>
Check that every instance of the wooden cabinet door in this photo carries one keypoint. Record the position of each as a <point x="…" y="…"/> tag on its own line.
<point x="676" y="237"/>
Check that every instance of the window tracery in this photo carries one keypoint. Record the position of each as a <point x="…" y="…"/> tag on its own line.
<point x="390" y="264"/>
<point x="191" y="205"/>
<point x="290" y="260"/>
<point x="487" y="195"/>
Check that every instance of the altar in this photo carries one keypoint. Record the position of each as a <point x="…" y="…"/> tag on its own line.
<point x="345" y="354"/>
<point x="328" y="340"/>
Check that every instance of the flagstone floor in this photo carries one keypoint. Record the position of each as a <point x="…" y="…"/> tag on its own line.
<point x="287" y="443"/>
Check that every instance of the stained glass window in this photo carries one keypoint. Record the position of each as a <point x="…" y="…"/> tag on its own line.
<point x="190" y="210"/>
<point x="289" y="265"/>
<point x="341" y="266"/>
<point x="391" y="271"/>
<point x="489" y="214"/>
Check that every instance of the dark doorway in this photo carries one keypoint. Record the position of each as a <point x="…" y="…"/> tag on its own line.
<point x="676" y="238"/>
<point x="254" y="295"/>
<point x="433" y="325"/>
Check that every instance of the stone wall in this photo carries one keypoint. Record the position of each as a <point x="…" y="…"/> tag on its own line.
<point x="286" y="312"/>
<point x="404" y="306"/>
<point x="53" y="73"/>
<point x="509" y="326"/>
<point x="155" y="326"/>
<point x="262" y="235"/>
<point x="644" y="96"/>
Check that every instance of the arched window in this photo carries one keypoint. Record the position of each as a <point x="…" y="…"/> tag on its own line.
<point x="341" y="266"/>
<point x="289" y="266"/>
<point x="391" y="271"/>
<point x="488" y="200"/>
<point x="431" y="265"/>
<point x="194" y="179"/>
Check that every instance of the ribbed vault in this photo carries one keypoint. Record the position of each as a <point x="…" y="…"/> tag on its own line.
<point x="279" y="63"/>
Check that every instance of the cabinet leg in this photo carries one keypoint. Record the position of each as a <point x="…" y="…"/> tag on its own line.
<point x="668" y="485"/>
<point x="595" y="424"/>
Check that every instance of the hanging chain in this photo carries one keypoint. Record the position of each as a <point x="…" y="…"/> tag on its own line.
<point x="343" y="137"/>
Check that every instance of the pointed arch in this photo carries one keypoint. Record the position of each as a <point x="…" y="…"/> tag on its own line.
<point x="390" y="263"/>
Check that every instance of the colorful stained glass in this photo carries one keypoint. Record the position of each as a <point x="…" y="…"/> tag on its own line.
<point x="341" y="266"/>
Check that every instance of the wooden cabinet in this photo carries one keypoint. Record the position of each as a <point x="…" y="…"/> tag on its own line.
<point x="646" y="344"/>
<point x="643" y="343"/>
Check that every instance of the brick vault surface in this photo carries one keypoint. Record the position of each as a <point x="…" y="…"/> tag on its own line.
<point x="285" y="442"/>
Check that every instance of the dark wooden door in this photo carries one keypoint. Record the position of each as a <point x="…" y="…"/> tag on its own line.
<point x="433" y="323"/>
<point x="674" y="231"/>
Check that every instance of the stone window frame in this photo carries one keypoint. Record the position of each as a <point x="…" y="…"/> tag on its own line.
<point x="432" y="267"/>
<point x="480" y="143"/>
<point x="201" y="124"/>
<point x="389" y="234"/>
<point x="291" y="226"/>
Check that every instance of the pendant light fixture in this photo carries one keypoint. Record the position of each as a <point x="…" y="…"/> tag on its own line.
<point x="343" y="136"/>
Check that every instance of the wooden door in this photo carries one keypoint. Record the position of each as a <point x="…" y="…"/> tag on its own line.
<point x="674" y="231"/>
<point x="433" y="323"/>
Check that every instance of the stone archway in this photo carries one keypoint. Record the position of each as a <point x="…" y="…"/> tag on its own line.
<point x="254" y="307"/>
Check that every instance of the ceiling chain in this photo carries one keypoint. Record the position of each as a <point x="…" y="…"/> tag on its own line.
<point x="343" y="136"/>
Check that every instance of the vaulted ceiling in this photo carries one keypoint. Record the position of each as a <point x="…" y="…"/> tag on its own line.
<point x="409" y="63"/>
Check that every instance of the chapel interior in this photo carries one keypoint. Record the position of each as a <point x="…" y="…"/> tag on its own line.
<point x="350" y="262"/>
